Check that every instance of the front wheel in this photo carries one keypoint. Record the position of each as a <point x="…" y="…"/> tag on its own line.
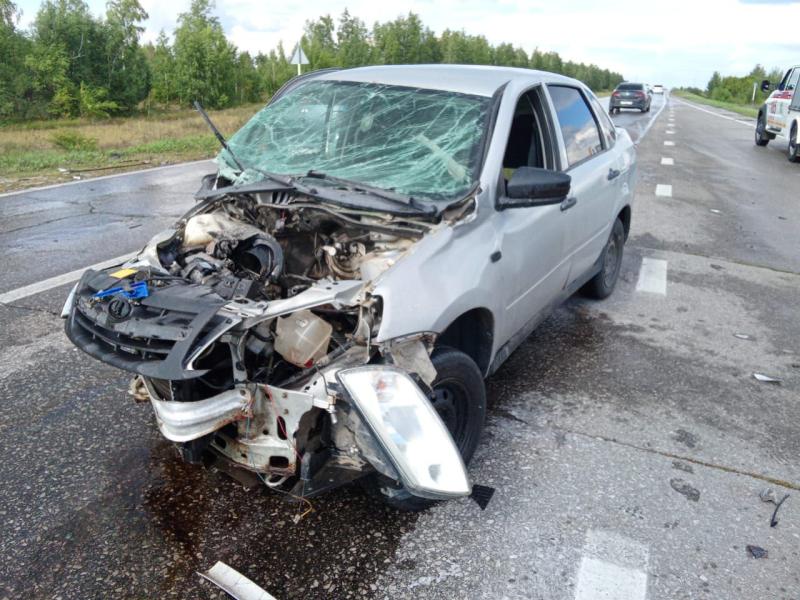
<point x="459" y="396"/>
<point x="793" y="149"/>
<point x="602" y="285"/>
<point x="761" y="131"/>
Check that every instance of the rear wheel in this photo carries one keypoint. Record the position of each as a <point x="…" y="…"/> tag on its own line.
<point x="761" y="131"/>
<point x="459" y="396"/>
<point x="602" y="285"/>
<point x="793" y="149"/>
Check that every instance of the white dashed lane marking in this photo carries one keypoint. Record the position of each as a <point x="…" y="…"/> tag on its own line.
<point x="652" y="276"/>
<point x="663" y="189"/>
<point x="58" y="280"/>
<point x="613" y="567"/>
<point x="669" y="143"/>
<point x="670" y="132"/>
<point x="667" y="161"/>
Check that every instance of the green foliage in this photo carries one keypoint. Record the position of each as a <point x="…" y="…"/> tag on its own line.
<point x="204" y="59"/>
<point x="739" y="90"/>
<point x="93" y="102"/>
<point x="73" y="141"/>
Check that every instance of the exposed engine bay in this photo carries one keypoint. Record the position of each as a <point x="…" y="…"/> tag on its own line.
<point x="237" y="322"/>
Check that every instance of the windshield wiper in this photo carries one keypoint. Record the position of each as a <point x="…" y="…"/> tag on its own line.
<point x="286" y="181"/>
<point x="199" y="108"/>
<point x="389" y="195"/>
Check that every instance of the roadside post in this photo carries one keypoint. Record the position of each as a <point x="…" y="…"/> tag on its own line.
<point x="299" y="58"/>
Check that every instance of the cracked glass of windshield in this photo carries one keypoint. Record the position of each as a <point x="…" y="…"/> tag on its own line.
<point x="421" y="143"/>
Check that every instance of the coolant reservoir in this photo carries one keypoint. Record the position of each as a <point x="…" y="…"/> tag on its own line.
<point x="302" y="338"/>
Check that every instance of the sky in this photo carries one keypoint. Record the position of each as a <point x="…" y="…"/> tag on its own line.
<point x="674" y="42"/>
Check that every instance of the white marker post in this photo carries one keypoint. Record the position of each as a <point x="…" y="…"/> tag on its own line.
<point x="299" y="58"/>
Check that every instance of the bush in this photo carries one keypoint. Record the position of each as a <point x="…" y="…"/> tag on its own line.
<point x="72" y="140"/>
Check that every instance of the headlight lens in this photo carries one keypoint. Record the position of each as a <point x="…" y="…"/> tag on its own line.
<point x="405" y="423"/>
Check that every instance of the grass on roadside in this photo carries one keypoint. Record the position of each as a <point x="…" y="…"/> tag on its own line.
<point x="748" y="110"/>
<point x="42" y="152"/>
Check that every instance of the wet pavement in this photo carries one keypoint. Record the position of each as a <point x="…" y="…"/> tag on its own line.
<point x="624" y="437"/>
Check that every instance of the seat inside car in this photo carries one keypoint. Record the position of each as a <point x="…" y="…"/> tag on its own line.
<point x="524" y="143"/>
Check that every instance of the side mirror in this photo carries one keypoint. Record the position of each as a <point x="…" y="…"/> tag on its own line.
<point x="765" y="85"/>
<point x="531" y="186"/>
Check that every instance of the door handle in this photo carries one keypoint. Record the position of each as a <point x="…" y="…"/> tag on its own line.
<point x="568" y="203"/>
<point x="613" y="174"/>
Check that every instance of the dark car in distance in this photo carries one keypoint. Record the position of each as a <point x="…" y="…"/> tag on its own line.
<point x="630" y="95"/>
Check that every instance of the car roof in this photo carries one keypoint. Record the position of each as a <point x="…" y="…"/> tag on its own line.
<point x="479" y="80"/>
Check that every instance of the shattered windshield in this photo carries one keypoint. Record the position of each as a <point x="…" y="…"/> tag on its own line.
<point x="421" y="143"/>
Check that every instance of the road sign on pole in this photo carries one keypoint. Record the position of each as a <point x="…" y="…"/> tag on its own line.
<point x="299" y="58"/>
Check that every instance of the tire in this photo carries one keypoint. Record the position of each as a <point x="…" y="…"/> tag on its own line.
<point x="602" y="285"/>
<point x="793" y="148"/>
<point x="761" y="131"/>
<point x="459" y="396"/>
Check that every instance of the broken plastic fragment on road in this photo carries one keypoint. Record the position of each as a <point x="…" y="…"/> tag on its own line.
<point x="234" y="583"/>
<point x="756" y="551"/>
<point x="766" y="378"/>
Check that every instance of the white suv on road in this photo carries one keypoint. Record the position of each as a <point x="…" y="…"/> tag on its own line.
<point x="780" y="114"/>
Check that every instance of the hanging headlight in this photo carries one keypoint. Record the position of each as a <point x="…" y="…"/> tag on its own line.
<point x="408" y="428"/>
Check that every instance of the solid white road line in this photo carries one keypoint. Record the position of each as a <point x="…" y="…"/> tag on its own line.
<point x="90" y="179"/>
<point x="667" y="161"/>
<point x="653" y="276"/>
<point x="613" y="567"/>
<point x="664" y="189"/>
<point x="669" y="143"/>
<point x="716" y="114"/>
<point x="653" y="120"/>
<point x="58" y="280"/>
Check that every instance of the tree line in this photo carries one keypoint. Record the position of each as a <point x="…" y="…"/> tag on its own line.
<point x="71" y="63"/>
<point x="739" y="90"/>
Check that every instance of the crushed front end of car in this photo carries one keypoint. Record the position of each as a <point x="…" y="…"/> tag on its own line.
<point x="250" y="330"/>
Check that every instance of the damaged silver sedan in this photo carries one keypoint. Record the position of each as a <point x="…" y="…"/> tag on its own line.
<point x="375" y="243"/>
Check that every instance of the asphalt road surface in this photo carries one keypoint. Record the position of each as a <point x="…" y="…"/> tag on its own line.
<point x="627" y="439"/>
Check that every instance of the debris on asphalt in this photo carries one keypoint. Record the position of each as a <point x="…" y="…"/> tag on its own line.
<point x="686" y="489"/>
<point x="715" y="211"/>
<point x="743" y="336"/>
<point x="766" y="378"/>
<point x="756" y="551"/>
<point x="482" y="494"/>
<point x="774" y="521"/>
<point x="234" y="583"/>
<point x="768" y="495"/>
<point x="63" y="170"/>
<point x="676" y="464"/>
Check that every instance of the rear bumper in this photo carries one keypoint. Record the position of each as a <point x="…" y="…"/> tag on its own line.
<point x="632" y="104"/>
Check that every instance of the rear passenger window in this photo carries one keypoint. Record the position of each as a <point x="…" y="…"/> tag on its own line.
<point x="578" y="127"/>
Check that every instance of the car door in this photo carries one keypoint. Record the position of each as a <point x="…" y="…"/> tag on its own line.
<point x="531" y="239"/>
<point x="778" y="102"/>
<point x="594" y="167"/>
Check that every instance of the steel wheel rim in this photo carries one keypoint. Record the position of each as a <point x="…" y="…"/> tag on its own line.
<point x="450" y="400"/>
<point x="610" y="260"/>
